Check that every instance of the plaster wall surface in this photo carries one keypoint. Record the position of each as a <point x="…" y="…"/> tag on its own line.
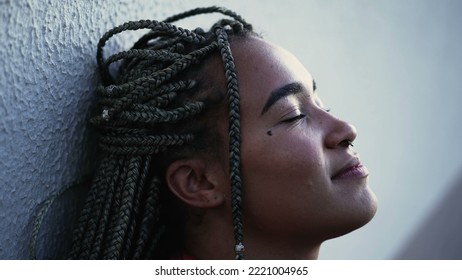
<point x="48" y="76"/>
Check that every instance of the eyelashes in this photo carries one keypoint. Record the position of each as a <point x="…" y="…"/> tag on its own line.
<point x="300" y="116"/>
<point x="294" y="119"/>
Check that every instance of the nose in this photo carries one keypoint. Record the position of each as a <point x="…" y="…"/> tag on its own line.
<point x="340" y="134"/>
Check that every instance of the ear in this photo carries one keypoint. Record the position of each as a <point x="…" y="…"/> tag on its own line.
<point x="197" y="182"/>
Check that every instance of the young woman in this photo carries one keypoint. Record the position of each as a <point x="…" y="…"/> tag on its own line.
<point x="215" y="145"/>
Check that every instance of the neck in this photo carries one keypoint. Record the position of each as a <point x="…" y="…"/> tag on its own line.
<point x="212" y="238"/>
<point x="259" y="247"/>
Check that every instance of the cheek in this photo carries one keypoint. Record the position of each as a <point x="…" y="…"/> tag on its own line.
<point x="285" y="156"/>
<point x="281" y="174"/>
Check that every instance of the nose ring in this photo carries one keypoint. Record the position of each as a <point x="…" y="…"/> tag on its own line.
<point x="350" y="143"/>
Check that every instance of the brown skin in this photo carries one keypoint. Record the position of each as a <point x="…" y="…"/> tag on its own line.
<point x="289" y="157"/>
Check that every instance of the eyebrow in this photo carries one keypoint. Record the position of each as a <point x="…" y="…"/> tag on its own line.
<point x="279" y="93"/>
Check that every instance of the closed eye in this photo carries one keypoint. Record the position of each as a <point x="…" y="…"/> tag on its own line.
<point x="294" y="119"/>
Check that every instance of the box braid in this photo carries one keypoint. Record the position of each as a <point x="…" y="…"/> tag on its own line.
<point x="151" y="116"/>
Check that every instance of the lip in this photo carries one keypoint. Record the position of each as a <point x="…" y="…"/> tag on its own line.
<point x="352" y="170"/>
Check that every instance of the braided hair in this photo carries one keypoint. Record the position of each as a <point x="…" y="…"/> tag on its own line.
<point x="151" y="114"/>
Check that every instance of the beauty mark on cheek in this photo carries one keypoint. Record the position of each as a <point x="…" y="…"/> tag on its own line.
<point x="269" y="132"/>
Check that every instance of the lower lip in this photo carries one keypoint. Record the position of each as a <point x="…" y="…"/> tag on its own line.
<point x="355" y="172"/>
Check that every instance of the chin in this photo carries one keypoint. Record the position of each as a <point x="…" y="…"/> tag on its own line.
<point x="369" y="206"/>
<point x="357" y="217"/>
<point x="366" y="213"/>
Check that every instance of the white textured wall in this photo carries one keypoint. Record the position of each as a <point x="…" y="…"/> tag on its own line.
<point x="47" y="77"/>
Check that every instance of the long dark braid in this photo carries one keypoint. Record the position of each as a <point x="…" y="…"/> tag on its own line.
<point x="151" y="115"/>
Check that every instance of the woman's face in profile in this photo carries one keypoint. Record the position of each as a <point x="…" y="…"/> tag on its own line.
<point x="302" y="180"/>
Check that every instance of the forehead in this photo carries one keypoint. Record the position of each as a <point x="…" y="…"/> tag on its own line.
<point x="263" y="67"/>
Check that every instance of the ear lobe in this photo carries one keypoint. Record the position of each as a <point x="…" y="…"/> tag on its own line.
<point x="192" y="182"/>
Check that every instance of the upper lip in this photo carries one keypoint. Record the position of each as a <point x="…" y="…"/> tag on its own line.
<point x="351" y="163"/>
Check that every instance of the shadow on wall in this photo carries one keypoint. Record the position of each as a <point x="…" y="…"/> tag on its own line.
<point x="439" y="236"/>
<point x="53" y="238"/>
<point x="53" y="234"/>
